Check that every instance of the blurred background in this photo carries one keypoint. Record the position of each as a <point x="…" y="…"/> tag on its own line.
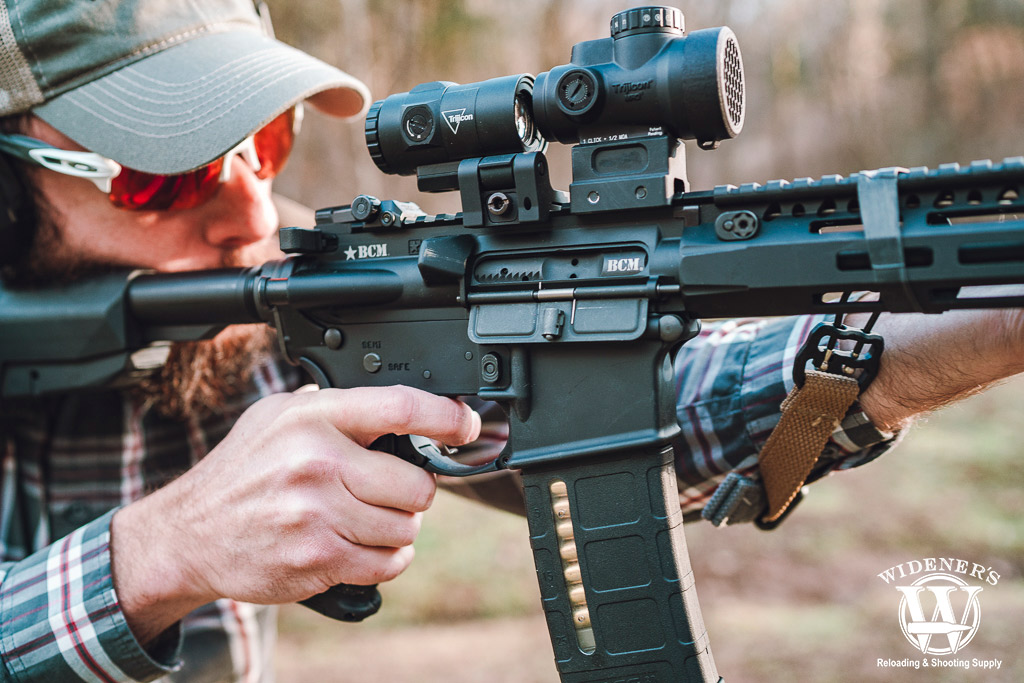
<point x="833" y="86"/>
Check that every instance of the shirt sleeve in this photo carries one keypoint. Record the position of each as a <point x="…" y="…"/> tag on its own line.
<point x="60" y="619"/>
<point x="730" y="383"/>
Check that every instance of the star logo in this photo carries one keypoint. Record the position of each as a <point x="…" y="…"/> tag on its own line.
<point x="350" y="254"/>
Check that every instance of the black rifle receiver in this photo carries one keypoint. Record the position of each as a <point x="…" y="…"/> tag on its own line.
<point x="565" y="310"/>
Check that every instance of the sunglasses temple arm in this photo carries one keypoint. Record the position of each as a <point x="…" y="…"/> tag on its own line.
<point x="97" y="169"/>
<point x="245" y="149"/>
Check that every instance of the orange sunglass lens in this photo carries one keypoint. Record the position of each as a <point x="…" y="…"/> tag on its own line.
<point x="273" y="144"/>
<point x="135" y="190"/>
<point x="138" y="191"/>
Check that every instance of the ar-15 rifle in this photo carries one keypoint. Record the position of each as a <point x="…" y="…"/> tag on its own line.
<point x="565" y="309"/>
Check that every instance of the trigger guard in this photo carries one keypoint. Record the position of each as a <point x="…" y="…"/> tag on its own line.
<point x="438" y="463"/>
<point x="314" y="371"/>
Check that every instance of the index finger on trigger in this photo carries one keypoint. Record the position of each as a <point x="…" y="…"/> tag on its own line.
<point x="366" y="413"/>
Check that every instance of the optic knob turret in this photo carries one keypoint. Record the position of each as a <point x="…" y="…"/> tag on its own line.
<point x="647" y="20"/>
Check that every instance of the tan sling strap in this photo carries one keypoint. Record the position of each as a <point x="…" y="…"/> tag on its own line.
<point x="809" y="416"/>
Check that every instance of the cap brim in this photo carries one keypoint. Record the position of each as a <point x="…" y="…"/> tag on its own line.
<point x="185" y="106"/>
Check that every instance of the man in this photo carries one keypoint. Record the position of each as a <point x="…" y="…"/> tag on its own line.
<point x="103" y="582"/>
<point x="342" y="513"/>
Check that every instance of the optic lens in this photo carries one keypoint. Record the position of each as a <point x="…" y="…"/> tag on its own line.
<point x="524" y="121"/>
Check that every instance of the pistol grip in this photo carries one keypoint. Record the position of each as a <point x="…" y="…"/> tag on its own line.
<point x="618" y="593"/>
<point x="345" y="602"/>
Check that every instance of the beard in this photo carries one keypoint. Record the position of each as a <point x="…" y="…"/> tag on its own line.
<point x="203" y="378"/>
<point x="200" y="378"/>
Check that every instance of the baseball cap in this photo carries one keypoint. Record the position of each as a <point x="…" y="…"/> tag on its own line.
<point x="162" y="86"/>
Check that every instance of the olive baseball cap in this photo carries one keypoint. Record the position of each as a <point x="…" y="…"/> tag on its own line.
<point x="161" y="86"/>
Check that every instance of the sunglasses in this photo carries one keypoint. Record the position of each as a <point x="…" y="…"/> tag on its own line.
<point x="266" y="152"/>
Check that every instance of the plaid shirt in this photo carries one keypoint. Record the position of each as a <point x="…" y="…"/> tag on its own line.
<point x="71" y="460"/>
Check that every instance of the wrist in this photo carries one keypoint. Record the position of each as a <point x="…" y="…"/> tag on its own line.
<point x="154" y="585"/>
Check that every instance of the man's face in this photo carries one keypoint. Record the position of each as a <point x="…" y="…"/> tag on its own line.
<point x="82" y="232"/>
<point x="236" y="227"/>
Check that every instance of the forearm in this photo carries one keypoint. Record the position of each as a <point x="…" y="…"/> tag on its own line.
<point x="62" y="620"/>
<point x="933" y="360"/>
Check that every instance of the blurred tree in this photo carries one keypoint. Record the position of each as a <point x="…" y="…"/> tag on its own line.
<point x="833" y="87"/>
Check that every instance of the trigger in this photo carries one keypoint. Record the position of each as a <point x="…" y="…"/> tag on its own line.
<point x="419" y="450"/>
<point x="423" y="452"/>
